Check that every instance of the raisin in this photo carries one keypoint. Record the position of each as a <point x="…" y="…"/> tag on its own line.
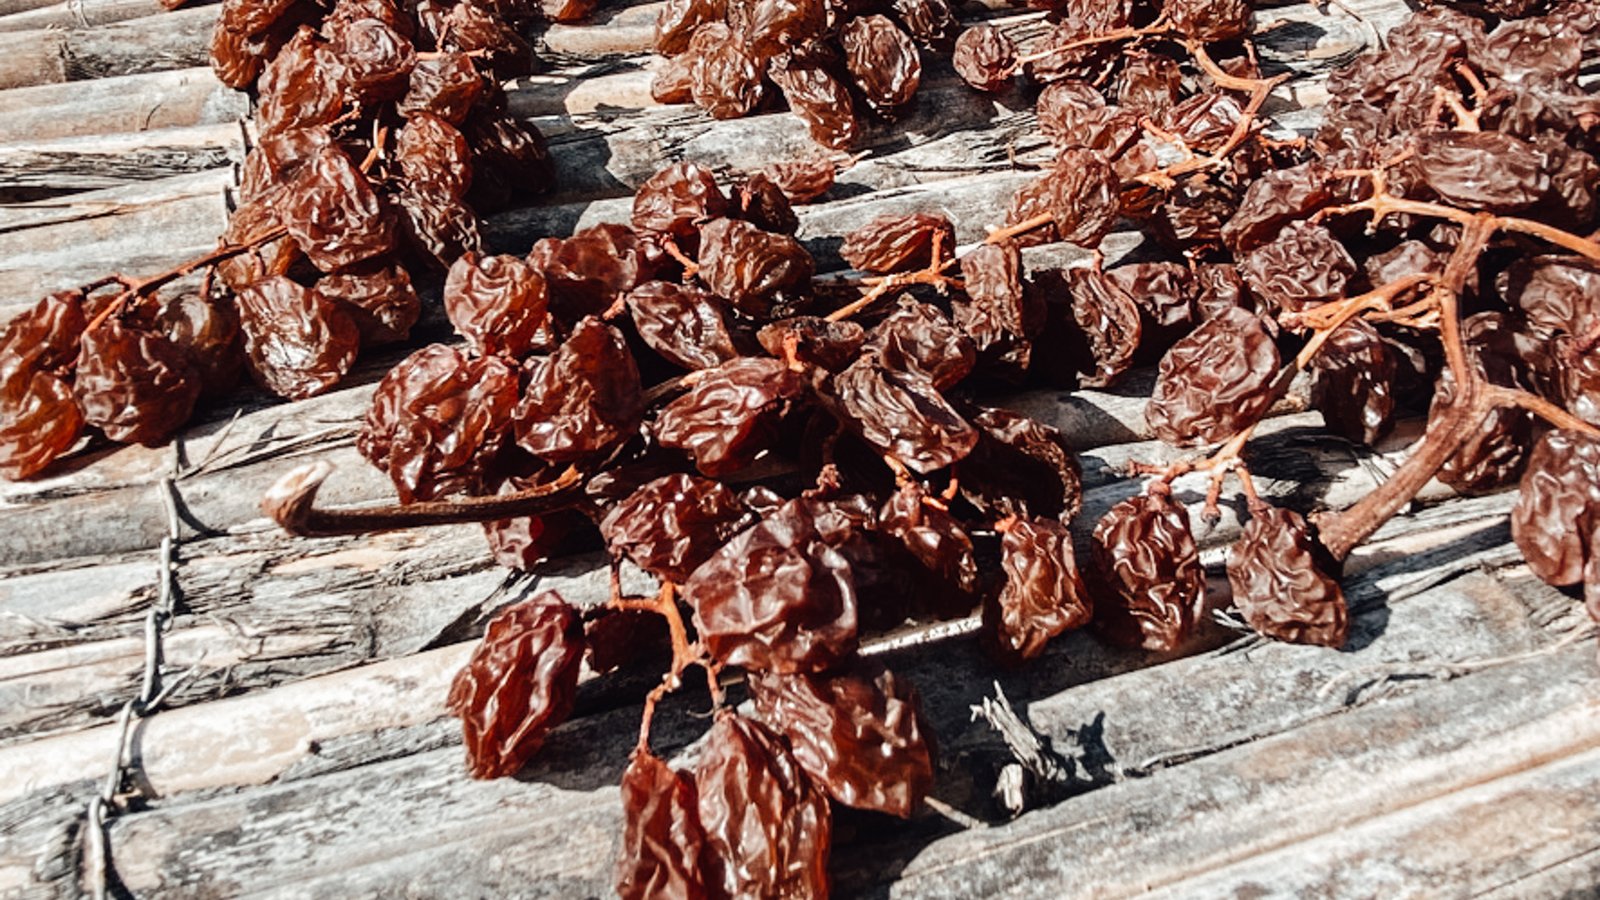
<point x="520" y="683"/>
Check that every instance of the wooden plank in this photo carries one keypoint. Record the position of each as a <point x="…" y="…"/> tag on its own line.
<point x="952" y="130"/>
<point x="255" y="615"/>
<point x="403" y="814"/>
<point x="227" y="500"/>
<point x="79" y="13"/>
<point x="196" y="748"/>
<point x="84" y="52"/>
<point x="11" y="7"/>
<point x="78" y="242"/>
<point x="577" y="580"/>
<point x="95" y="162"/>
<point x="1310" y="44"/>
<point x="1531" y="834"/>
<point x="584" y="92"/>
<point x="614" y="30"/>
<point x="1260" y="797"/>
<point x="440" y="822"/>
<point x="208" y="186"/>
<point x="124" y="104"/>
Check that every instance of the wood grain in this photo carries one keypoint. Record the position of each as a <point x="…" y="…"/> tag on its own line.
<point x="311" y="757"/>
<point x="453" y="828"/>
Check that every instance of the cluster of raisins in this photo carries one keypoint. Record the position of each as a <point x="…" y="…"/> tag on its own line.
<point x="382" y="131"/>
<point x="788" y="473"/>
<point x="799" y="467"/>
<point x="835" y="63"/>
<point x="803" y="461"/>
<point x="134" y="377"/>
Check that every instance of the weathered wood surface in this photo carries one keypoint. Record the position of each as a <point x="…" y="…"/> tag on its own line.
<point x="46" y="168"/>
<point x="340" y="602"/>
<point x="310" y="754"/>
<point x="77" y="13"/>
<point x="86" y="51"/>
<point x="142" y="228"/>
<point x="1156" y="718"/>
<point x="123" y="104"/>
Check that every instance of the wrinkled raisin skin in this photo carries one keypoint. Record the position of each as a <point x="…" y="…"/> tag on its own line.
<point x="520" y="683"/>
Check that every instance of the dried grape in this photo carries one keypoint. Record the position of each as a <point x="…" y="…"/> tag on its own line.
<point x="1215" y="382"/>
<point x="1281" y="586"/>
<point x="857" y="733"/>
<point x="1145" y="574"/>
<point x="299" y="343"/>
<point x="581" y="400"/>
<point x="520" y="683"/>
<point x="1043" y="594"/>
<point x="437" y="419"/>
<point x="662" y="839"/>
<point x="767" y="826"/>
<point x="779" y="597"/>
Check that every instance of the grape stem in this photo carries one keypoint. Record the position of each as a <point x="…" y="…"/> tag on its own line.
<point x="1158" y="28"/>
<point x="1343" y="532"/>
<point x="1324" y="320"/>
<point x="690" y="267"/>
<point x="291" y="503"/>
<point x="1474" y="398"/>
<point x="1382" y="204"/>
<point x="881" y="285"/>
<point x="139" y="288"/>
<point x="684" y="652"/>
<point x="1258" y="88"/>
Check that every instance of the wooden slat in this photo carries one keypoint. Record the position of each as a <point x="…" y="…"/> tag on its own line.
<point x="118" y="105"/>
<point x="593" y="91"/>
<point x="79" y="13"/>
<point x="136" y="230"/>
<point x="1270" y="794"/>
<point x="1534" y="833"/>
<point x="83" y="52"/>
<point x="226" y="500"/>
<point x="173" y="767"/>
<point x="452" y="827"/>
<point x="95" y="162"/>
<point x="119" y="201"/>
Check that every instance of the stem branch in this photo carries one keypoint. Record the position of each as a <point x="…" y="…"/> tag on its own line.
<point x="290" y="501"/>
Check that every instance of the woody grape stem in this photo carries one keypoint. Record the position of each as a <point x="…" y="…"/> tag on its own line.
<point x="290" y="503"/>
<point x="1465" y="413"/>
<point x="140" y="288"/>
<point x="684" y="654"/>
